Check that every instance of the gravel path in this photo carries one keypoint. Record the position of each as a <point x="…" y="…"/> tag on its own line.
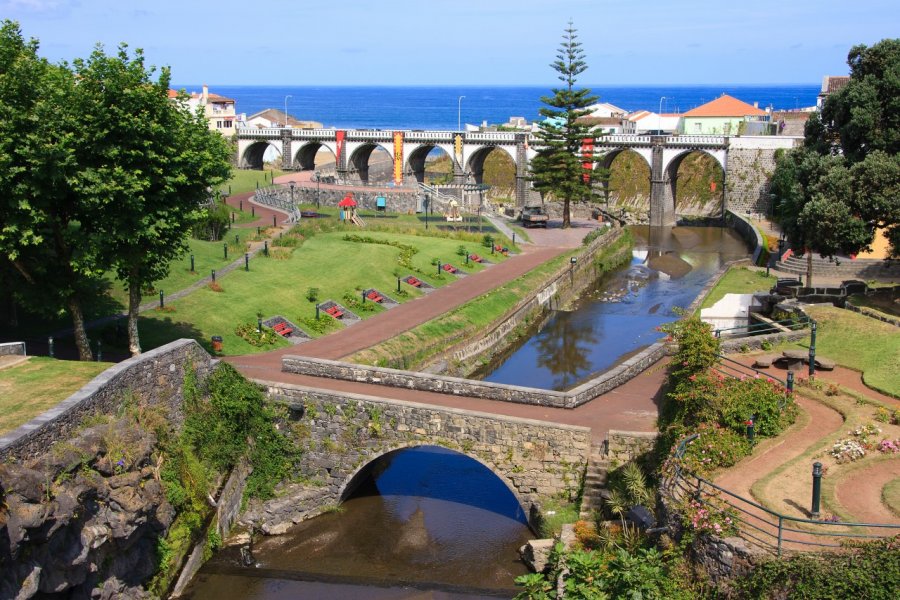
<point x="860" y="492"/>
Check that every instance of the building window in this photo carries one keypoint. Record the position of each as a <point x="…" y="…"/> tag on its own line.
<point x="698" y="127"/>
<point x="218" y="124"/>
<point x="227" y="124"/>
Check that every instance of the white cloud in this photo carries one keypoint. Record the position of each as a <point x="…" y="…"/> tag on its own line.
<point x="30" y="5"/>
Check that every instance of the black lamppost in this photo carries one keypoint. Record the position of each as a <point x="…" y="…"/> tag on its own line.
<point x="317" y="191"/>
<point x="292" y="192"/>
<point x="426" y="203"/>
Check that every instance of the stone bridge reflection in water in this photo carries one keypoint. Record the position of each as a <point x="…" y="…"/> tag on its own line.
<point x="426" y="517"/>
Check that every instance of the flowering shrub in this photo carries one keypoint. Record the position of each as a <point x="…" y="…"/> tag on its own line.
<point x="715" y="447"/>
<point x="889" y="446"/>
<point x="847" y="450"/>
<point x="710" y="516"/>
<point x="865" y="433"/>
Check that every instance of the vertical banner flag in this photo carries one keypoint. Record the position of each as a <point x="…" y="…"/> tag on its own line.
<point x="398" y="157"/>
<point x="457" y="148"/>
<point x="587" y="156"/>
<point x="339" y="136"/>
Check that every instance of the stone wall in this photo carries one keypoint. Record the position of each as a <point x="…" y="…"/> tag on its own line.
<point x="747" y="231"/>
<point x="751" y="162"/>
<point x="617" y="375"/>
<point x="626" y="446"/>
<point x="12" y="349"/>
<point x="154" y="377"/>
<point x="873" y="314"/>
<point x="397" y="202"/>
<point x="344" y="432"/>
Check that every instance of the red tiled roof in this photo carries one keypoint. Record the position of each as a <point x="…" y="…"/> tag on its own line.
<point x="725" y="106"/>
<point x="218" y="98"/>
<point x="173" y="93"/>
<point x="833" y="83"/>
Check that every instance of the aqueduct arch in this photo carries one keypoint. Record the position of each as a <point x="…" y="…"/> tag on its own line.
<point x="253" y="155"/>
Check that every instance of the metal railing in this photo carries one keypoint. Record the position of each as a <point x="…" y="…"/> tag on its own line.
<point x="737" y="370"/>
<point x="793" y="323"/>
<point x="770" y="529"/>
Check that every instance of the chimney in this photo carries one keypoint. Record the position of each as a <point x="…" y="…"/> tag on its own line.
<point x="205" y="93"/>
<point x="756" y="104"/>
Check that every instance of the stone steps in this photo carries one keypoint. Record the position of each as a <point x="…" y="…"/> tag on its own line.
<point x="595" y="480"/>
<point x="843" y="268"/>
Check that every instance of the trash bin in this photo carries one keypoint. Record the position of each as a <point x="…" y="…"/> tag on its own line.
<point x="217" y="343"/>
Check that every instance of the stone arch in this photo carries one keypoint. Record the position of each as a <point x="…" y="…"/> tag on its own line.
<point x="305" y="157"/>
<point x="352" y="481"/>
<point x="418" y="157"/>
<point x="358" y="161"/>
<point x="253" y="155"/>
<point x="633" y="190"/>
<point x="711" y="198"/>
<point x="475" y="161"/>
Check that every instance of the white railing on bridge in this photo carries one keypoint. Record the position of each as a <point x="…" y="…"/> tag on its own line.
<point x="312" y="134"/>
<point x="428" y="136"/>
<point x="491" y="136"/>
<point x="622" y="139"/>
<point x="695" y="140"/>
<point x="358" y="134"/>
<point x="256" y="133"/>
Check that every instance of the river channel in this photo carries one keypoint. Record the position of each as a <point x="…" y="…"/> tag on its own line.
<point x="617" y="316"/>
<point x="431" y="523"/>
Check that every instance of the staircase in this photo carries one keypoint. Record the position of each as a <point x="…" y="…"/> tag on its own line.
<point x="842" y="268"/>
<point x="595" y="480"/>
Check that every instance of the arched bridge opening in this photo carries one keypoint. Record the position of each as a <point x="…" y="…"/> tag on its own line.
<point x="429" y="163"/>
<point x="371" y="163"/>
<point x="257" y="153"/>
<point x="625" y="180"/>
<point x="494" y="166"/>
<point x="433" y="474"/>
<point x="696" y="183"/>
<point x="314" y="156"/>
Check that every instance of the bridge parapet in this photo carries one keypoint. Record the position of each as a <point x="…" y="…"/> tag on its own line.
<point x="697" y="141"/>
<point x="255" y="133"/>
<point x="494" y="137"/>
<point x="313" y="134"/>
<point x="623" y="140"/>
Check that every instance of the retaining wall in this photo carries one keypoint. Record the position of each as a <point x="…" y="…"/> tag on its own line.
<point x="154" y="377"/>
<point x="12" y="349"/>
<point x="748" y="231"/>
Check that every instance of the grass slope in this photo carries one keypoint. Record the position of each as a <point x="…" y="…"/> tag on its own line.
<point x="30" y="388"/>
<point x="738" y="280"/>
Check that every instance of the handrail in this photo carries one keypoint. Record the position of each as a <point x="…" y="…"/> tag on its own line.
<point x="757" y="372"/>
<point x="696" y="489"/>
<point x="798" y="322"/>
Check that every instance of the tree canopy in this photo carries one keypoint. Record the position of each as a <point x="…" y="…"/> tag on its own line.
<point x="100" y="171"/>
<point x="844" y="185"/>
<point x="558" y="168"/>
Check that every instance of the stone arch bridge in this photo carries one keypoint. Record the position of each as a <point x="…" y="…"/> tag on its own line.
<point x="342" y="434"/>
<point x="747" y="161"/>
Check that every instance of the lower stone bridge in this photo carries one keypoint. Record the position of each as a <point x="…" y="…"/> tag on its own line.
<point x="342" y="434"/>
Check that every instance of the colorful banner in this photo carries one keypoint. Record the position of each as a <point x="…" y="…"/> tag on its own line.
<point x="339" y="136"/>
<point x="398" y="157"/>
<point x="457" y="147"/>
<point x="587" y="157"/>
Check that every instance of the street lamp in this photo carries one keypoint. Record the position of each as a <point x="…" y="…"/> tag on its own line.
<point x="659" y="116"/>
<point x="459" y="113"/>
<point x="285" y="108"/>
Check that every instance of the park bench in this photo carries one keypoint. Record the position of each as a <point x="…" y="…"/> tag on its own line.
<point x="282" y="329"/>
<point x="374" y="296"/>
<point x="413" y="282"/>
<point x="334" y="311"/>
<point x="450" y="268"/>
<point x="475" y="258"/>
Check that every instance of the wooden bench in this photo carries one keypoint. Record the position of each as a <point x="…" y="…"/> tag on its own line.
<point x="475" y="258"/>
<point x="282" y="329"/>
<point x="450" y="268"/>
<point x="413" y="282"/>
<point x="334" y="311"/>
<point x="374" y="296"/>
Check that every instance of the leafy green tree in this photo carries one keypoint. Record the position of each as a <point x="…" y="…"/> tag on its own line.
<point x="146" y="165"/>
<point x="50" y="259"/>
<point x="842" y="187"/>
<point x="557" y="169"/>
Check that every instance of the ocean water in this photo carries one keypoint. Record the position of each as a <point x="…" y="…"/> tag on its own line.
<point x="437" y="108"/>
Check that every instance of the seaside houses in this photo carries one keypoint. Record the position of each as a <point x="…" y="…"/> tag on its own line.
<point x="646" y="122"/>
<point x="218" y="110"/>
<point x="830" y="85"/>
<point x="726" y="115"/>
<point x="272" y="117"/>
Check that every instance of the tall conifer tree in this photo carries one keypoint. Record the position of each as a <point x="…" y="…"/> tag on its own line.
<point x="558" y="169"/>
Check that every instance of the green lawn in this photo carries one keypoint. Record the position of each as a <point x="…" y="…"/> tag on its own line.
<point x="860" y="343"/>
<point x="207" y="256"/>
<point x="30" y="388"/>
<point x="279" y="286"/>
<point x="739" y="280"/>
<point x="246" y="180"/>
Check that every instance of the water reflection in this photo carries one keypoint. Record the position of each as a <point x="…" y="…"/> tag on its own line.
<point x="618" y="315"/>
<point x="424" y="517"/>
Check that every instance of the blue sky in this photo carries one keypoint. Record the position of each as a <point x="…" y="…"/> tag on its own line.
<point x="435" y="42"/>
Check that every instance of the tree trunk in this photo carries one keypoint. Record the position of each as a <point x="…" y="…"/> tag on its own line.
<point x="81" y="339"/>
<point x="134" y="302"/>
<point x="808" y="268"/>
<point x="567" y="221"/>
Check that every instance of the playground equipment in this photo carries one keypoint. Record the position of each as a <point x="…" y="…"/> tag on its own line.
<point x="453" y="212"/>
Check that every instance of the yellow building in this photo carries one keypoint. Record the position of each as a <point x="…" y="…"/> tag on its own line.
<point x="218" y="110"/>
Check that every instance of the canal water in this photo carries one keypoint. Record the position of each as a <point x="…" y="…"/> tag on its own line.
<point x="431" y="523"/>
<point x="618" y="315"/>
